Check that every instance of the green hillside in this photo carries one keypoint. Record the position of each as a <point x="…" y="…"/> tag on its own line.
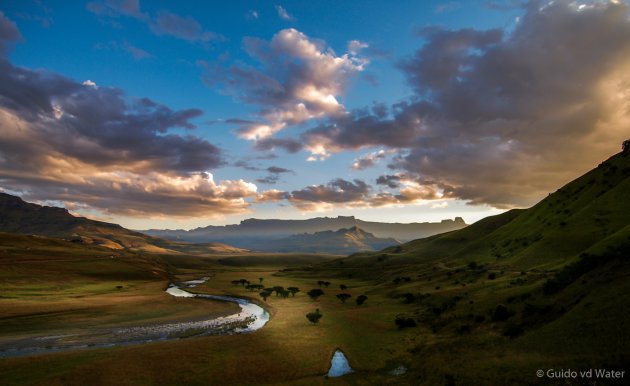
<point x="591" y="212"/>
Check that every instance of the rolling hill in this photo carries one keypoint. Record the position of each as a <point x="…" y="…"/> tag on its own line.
<point x="18" y="216"/>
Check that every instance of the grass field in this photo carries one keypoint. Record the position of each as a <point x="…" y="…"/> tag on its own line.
<point x="292" y="350"/>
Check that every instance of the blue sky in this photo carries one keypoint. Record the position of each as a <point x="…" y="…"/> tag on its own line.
<point x="336" y="81"/>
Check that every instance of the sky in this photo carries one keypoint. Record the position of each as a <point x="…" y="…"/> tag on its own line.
<point x="183" y="114"/>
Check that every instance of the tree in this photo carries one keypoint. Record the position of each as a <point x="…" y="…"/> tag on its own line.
<point x="326" y="284"/>
<point x="265" y="295"/>
<point x="625" y="146"/>
<point x="243" y="282"/>
<point x="278" y="289"/>
<point x="320" y="283"/>
<point x="343" y="297"/>
<point x="260" y="279"/>
<point x="235" y="282"/>
<point x="293" y="290"/>
<point x="314" y="317"/>
<point x="343" y="287"/>
<point x="315" y="293"/>
<point x="361" y="299"/>
<point x="283" y="293"/>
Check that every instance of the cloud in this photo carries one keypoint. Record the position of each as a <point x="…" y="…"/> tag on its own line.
<point x="368" y="160"/>
<point x="162" y="23"/>
<point x="283" y="13"/>
<point x="186" y="28"/>
<point x="9" y="34"/>
<point x="115" y="8"/>
<point x="136" y="53"/>
<point x="92" y="145"/>
<point x="272" y="195"/>
<point x="294" y="79"/>
<point x="447" y="7"/>
<point x="274" y="175"/>
<point x="503" y="118"/>
<point x="252" y="14"/>
<point x="151" y="195"/>
<point x="340" y="193"/>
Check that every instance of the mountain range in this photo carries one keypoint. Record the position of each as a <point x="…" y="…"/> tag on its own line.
<point x="256" y="234"/>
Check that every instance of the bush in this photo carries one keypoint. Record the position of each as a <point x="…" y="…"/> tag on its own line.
<point x="315" y="293"/>
<point x="501" y="313"/>
<point x="314" y="317"/>
<point x="492" y="276"/>
<point x="361" y="299"/>
<point x="402" y="322"/>
<point x="513" y="331"/>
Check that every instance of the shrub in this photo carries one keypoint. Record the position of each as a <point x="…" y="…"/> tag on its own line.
<point x="314" y="317"/>
<point x="361" y="299"/>
<point x="501" y="313"/>
<point x="402" y="322"/>
<point x="315" y="293"/>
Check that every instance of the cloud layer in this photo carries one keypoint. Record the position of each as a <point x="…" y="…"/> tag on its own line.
<point x="504" y="118"/>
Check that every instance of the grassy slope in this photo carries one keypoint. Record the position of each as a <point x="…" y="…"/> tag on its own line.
<point x="51" y="285"/>
<point x="547" y="236"/>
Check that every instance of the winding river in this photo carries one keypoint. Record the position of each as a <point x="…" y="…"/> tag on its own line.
<point x="251" y="318"/>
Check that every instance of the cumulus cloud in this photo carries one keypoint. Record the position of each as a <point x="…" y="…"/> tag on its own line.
<point x="503" y="118"/>
<point x="92" y="145"/>
<point x="295" y="79"/>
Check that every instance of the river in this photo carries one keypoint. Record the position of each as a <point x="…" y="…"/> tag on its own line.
<point x="251" y="318"/>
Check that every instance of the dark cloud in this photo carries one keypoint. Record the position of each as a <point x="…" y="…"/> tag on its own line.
<point x="9" y="34"/>
<point x="94" y="146"/>
<point x="99" y="125"/>
<point x="368" y="160"/>
<point x="278" y="170"/>
<point x="390" y="180"/>
<point x="274" y="175"/>
<point x="288" y="144"/>
<point x="504" y="118"/>
<point x="162" y="23"/>
<point x="338" y="191"/>
<point x="186" y="28"/>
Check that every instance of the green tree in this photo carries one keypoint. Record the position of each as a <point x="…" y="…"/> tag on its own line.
<point x="361" y="299"/>
<point x="278" y="289"/>
<point x="265" y="295"/>
<point x="315" y="293"/>
<point x="314" y="317"/>
<point x="293" y="290"/>
<point x="343" y="297"/>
